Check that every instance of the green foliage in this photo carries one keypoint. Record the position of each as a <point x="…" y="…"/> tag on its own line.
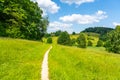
<point x="90" y="43"/>
<point x="99" y="30"/>
<point x="92" y="34"/>
<point x="21" y="19"/>
<point x="73" y="41"/>
<point x="47" y="35"/>
<point x="118" y="28"/>
<point x="103" y="37"/>
<point x="113" y="41"/>
<point x="73" y="33"/>
<point x="64" y="38"/>
<point x="82" y="40"/>
<point x="99" y="43"/>
<point x="49" y="40"/>
<point x="57" y="33"/>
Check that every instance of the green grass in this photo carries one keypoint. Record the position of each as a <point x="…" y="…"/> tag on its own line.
<point x="21" y="59"/>
<point x="74" y="36"/>
<point x="71" y="63"/>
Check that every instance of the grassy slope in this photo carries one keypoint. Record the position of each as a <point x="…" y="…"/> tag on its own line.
<point x="70" y="63"/>
<point x="21" y="59"/>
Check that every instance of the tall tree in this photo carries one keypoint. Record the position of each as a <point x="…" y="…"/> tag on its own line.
<point x="113" y="41"/>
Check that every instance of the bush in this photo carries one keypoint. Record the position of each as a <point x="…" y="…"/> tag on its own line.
<point x="64" y="38"/>
<point x="99" y="43"/>
<point x="47" y="35"/>
<point x="73" y="40"/>
<point x="82" y="41"/>
<point x="90" y="43"/>
<point x="57" y="33"/>
<point x="113" y="41"/>
<point x="49" y="40"/>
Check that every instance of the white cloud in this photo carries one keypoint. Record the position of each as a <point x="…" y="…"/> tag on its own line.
<point x="116" y="23"/>
<point x="48" y="6"/>
<point x="54" y="26"/>
<point x="78" y="2"/>
<point x="84" y="19"/>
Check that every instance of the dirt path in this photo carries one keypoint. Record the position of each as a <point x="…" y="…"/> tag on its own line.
<point x="44" y="72"/>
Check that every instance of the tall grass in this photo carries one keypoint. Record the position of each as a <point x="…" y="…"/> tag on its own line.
<point x="70" y="63"/>
<point x="21" y="59"/>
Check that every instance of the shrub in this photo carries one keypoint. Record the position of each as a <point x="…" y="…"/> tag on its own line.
<point x="81" y="40"/>
<point x="49" y="40"/>
<point x="73" y="40"/>
<point x="57" y="33"/>
<point x="90" y="43"/>
<point x="99" y="43"/>
<point x="64" y="38"/>
<point x="47" y="35"/>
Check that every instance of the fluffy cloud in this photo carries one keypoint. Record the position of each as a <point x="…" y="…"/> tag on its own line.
<point x="48" y="6"/>
<point x="84" y="19"/>
<point x="54" y="26"/>
<point x="78" y="2"/>
<point x="116" y="23"/>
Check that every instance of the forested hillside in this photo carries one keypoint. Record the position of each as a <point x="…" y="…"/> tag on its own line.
<point x="99" y="30"/>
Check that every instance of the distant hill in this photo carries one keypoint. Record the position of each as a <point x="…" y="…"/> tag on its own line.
<point x="99" y="30"/>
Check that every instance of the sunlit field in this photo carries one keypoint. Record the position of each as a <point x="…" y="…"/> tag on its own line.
<point x="21" y="59"/>
<point x="71" y="63"/>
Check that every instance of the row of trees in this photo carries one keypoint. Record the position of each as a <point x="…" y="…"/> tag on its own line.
<point x="99" y="30"/>
<point x="57" y="33"/>
<point x="81" y="41"/>
<point x="21" y="19"/>
<point x="112" y="42"/>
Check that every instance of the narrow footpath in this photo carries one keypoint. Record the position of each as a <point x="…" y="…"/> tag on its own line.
<point x="44" y="71"/>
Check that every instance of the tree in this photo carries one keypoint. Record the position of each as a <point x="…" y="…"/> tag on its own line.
<point x="22" y="19"/>
<point x="90" y="43"/>
<point x="99" y="43"/>
<point x="47" y="35"/>
<point x="64" y="38"/>
<point x="49" y="40"/>
<point x="82" y="41"/>
<point x="113" y="41"/>
<point x="57" y="33"/>
<point x="73" y="33"/>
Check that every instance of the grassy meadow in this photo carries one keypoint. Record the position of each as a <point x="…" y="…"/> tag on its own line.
<point x="21" y="59"/>
<point x="71" y="63"/>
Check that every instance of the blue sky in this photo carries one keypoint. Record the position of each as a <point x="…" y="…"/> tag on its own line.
<point x="76" y="15"/>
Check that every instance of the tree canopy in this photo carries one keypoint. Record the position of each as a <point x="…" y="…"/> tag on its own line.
<point x="99" y="30"/>
<point x="64" y="38"/>
<point x="113" y="41"/>
<point x="22" y="19"/>
<point x="82" y="40"/>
